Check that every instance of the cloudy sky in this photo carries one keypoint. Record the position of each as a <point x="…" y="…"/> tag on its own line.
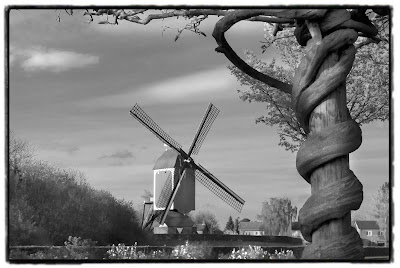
<point x="72" y="85"/>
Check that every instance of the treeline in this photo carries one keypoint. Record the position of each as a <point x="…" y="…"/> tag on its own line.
<point x="48" y="204"/>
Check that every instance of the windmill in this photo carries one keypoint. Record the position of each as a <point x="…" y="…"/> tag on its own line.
<point x="179" y="186"/>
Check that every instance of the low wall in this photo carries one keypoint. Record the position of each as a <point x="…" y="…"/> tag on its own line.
<point x="216" y="240"/>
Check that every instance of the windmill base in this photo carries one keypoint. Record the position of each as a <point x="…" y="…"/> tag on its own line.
<point x="175" y="223"/>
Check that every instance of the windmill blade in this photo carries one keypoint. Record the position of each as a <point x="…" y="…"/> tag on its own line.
<point x="172" y="197"/>
<point x="147" y="219"/>
<point x="218" y="188"/>
<point x="148" y="224"/>
<point x="205" y="125"/>
<point x="143" y="118"/>
<point x="165" y="192"/>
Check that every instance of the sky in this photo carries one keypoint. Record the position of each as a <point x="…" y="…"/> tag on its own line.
<point x="72" y="85"/>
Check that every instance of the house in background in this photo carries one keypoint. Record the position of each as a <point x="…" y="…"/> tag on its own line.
<point x="296" y="231"/>
<point x="247" y="227"/>
<point x="370" y="233"/>
<point x="202" y="228"/>
<point x="251" y="228"/>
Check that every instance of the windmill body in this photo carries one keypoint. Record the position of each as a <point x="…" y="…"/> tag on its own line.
<point x="167" y="170"/>
<point x="175" y="173"/>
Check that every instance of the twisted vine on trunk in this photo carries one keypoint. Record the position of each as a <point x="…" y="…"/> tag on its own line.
<point x="319" y="100"/>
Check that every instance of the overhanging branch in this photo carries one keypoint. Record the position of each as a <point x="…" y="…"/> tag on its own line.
<point x="224" y="25"/>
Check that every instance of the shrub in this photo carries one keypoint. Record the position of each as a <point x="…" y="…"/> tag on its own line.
<point x="17" y="254"/>
<point x="122" y="252"/>
<point x="75" y="248"/>
<point x="287" y="255"/>
<point x="200" y="250"/>
<point x="256" y="252"/>
<point x="187" y="251"/>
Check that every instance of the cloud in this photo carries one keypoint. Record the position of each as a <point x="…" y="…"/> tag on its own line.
<point x="125" y="154"/>
<point x="60" y="146"/>
<point x="119" y="158"/>
<point x="194" y="87"/>
<point x="52" y="60"/>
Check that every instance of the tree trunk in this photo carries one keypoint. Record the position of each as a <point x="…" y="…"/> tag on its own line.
<point x="319" y="95"/>
<point x="329" y="112"/>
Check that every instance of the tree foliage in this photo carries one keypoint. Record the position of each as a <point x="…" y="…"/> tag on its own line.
<point x="277" y="214"/>
<point x="236" y="227"/>
<point x="206" y="217"/>
<point x="367" y="84"/>
<point x="48" y="204"/>
<point x="380" y="209"/>
<point x="230" y="226"/>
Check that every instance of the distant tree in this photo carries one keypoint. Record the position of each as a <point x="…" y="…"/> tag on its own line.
<point x="359" y="216"/>
<point x="277" y="215"/>
<point x="20" y="152"/>
<point x="230" y="225"/>
<point x="236" y="228"/>
<point x="245" y="220"/>
<point x="206" y="217"/>
<point x="48" y="204"/>
<point x="380" y="209"/>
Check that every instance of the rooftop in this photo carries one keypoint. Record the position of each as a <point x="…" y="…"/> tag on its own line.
<point x="367" y="225"/>
<point x="251" y="226"/>
<point x="167" y="160"/>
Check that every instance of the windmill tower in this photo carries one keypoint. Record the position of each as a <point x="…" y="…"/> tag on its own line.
<point x="167" y="170"/>
<point x="175" y="173"/>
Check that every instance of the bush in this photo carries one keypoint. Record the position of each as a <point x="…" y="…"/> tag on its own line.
<point x="200" y="250"/>
<point x="256" y="252"/>
<point x="17" y="254"/>
<point x="195" y="251"/>
<point x="122" y="252"/>
<point x="75" y="248"/>
<point x="80" y="249"/>
<point x="187" y="251"/>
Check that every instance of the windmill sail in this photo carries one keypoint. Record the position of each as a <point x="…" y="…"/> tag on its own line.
<point x="143" y="118"/>
<point x="172" y="196"/>
<point x="151" y="216"/>
<point x="205" y="125"/>
<point x="218" y="188"/>
<point x="165" y="193"/>
<point x="148" y="216"/>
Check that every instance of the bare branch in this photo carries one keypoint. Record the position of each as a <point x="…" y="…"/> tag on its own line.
<point x="219" y="34"/>
<point x="132" y="16"/>
<point x="271" y="19"/>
